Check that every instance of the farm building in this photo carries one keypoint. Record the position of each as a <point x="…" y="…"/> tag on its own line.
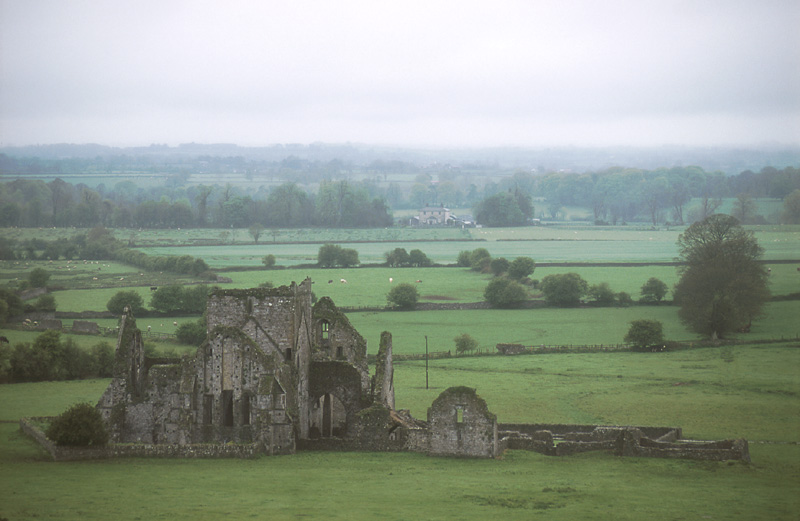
<point x="277" y="374"/>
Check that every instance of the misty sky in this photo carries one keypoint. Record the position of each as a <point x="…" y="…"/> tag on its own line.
<point x="437" y="73"/>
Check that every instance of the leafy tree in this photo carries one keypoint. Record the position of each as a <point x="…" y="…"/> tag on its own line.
<point x="644" y="334"/>
<point x="255" y="230"/>
<point x="465" y="343"/>
<point x="479" y="259"/>
<point x="464" y="259"/>
<point x="192" y="333"/>
<point x="521" y="267"/>
<point x="403" y="296"/>
<point x="602" y="294"/>
<point x="418" y="258"/>
<point x="744" y="208"/>
<point x="168" y="299"/>
<point x="563" y="290"/>
<point x="504" y="293"/>
<point x="129" y="298"/>
<point x="499" y="266"/>
<point x="397" y="257"/>
<point x="45" y="303"/>
<point x="348" y="257"/>
<point x="10" y="305"/>
<point x="722" y="285"/>
<point x="268" y="261"/>
<point x="81" y="425"/>
<point x="624" y="299"/>
<point x="38" y="278"/>
<point x="328" y="255"/>
<point x="504" y="209"/>
<point x="653" y="291"/>
<point x="791" y="208"/>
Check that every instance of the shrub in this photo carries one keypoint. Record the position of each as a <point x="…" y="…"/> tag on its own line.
<point x="463" y="260"/>
<point x="130" y="298"/>
<point x="521" y="267"/>
<point x="418" y="258"/>
<point x="499" y="266"/>
<point x="479" y="259"/>
<point x="268" y="261"/>
<point x="645" y="335"/>
<point x="602" y="294"/>
<point x="403" y="296"/>
<point x="192" y="333"/>
<point x="564" y="289"/>
<point x="38" y="278"/>
<point x="465" y="343"/>
<point x="653" y="291"/>
<point x="79" y="426"/>
<point x="624" y="299"/>
<point x="504" y="293"/>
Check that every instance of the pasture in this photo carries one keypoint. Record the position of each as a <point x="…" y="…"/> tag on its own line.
<point x="713" y="392"/>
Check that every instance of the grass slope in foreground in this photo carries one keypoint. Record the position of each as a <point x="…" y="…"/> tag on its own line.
<point x="410" y="486"/>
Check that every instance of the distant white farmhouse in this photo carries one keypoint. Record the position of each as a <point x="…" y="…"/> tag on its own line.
<point x="434" y="216"/>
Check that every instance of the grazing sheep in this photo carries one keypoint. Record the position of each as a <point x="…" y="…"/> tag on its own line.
<point x="391" y="280"/>
<point x="343" y="281"/>
<point x="418" y="281"/>
<point x="175" y="323"/>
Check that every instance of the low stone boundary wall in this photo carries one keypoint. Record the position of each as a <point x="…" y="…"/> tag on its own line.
<point x="135" y="450"/>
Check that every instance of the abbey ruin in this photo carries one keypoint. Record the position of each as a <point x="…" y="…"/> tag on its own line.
<point x="278" y="374"/>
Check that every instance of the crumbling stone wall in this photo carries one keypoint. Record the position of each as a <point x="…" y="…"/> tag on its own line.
<point x="460" y="424"/>
<point x="84" y="326"/>
<point x="383" y="381"/>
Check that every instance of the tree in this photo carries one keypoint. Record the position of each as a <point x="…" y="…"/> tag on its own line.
<point x="129" y="298"/>
<point x="168" y="299"/>
<point x="563" y="290"/>
<point x="479" y="259"/>
<point x="499" y="266"/>
<point x="602" y="294"/>
<point x="328" y="255"/>
<point x="791" y="208"/>
<point x="624" y="299"/>
<point x="744" y="208"/>
<point x="463" y="259"/>
<point x="347" y="257"/>
<point x="418" y="258"/>
<point x="268" y="261"/>
<point x="38" y="277"/>
<point x="521" y="267"/>
<point x="465" y="343"/>
<point x="403" y="296"/>
<point x="722" y="285"/>
<point x="653" y="291"/>
<point x="644" y="334"/>
<point x="256" y="230"/>
<point x="504" y="209"/>
<point x="397" y="257"/>
<point x="81" y="425"/>
<point x="504" y="293"/>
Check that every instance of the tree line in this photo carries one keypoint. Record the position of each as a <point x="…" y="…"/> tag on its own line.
<point x="613" y="195"/>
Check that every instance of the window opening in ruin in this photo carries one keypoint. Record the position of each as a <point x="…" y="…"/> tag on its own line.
<point x="339" y="352"/>
<point x="459" y="414"/>
<point x="325" y="329"/>
<point x="227" y="408"/>
<point x="288" y="354"/>
<point x="208" y="404"/>
<point x="245" y="410"/>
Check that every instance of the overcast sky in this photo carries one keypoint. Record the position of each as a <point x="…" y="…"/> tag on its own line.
<point x="452" y="73"/>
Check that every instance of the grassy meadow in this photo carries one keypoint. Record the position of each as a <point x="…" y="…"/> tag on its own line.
<point x="750" y="391"/>
<point x="713" y="392"/>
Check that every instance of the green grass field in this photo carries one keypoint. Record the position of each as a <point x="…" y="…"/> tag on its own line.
<point x="747" y="391"/>
<point x="576" y="326"/>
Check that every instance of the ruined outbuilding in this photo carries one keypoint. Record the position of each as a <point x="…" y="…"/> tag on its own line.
<point x="277" y="374"/>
